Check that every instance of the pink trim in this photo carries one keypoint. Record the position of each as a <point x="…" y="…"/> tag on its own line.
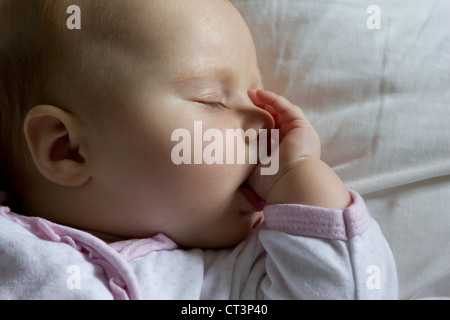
<point x="123" y="283"/>
<point x="133" y="249"/>
<point x="319" y="222"/>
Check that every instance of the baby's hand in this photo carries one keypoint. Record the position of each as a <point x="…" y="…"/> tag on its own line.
<point x="298" y="139"/>
<point x="302" y="177"/>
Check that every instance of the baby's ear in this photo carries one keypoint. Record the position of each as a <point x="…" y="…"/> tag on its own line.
<point x="55" y="141"/>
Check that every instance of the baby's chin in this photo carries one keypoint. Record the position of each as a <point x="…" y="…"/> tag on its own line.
<point x="255" y="221"/>
<point x="215" y="241"/>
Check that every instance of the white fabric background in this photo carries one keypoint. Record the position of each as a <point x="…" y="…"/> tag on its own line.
<point x="380" y="100"/>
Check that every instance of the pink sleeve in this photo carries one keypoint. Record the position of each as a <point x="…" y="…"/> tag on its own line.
<point x="318" y="253"/>
<point x="318" y="222"/>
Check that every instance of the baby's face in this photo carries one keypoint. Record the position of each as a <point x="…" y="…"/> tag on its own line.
<point x="190" y="55"/>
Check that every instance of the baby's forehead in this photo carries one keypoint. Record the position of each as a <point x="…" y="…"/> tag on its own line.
<point x="161" y="19"/>
<point x="161" y="27"/>
<point x="148" y="37"/>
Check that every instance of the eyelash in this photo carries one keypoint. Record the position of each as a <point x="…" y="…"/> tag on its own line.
<point x="215" y="105"/>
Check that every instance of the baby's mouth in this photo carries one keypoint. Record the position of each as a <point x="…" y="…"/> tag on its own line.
<point x="256" y="201"/>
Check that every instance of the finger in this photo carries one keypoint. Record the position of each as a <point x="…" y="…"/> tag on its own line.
<point x="252" y="95"/>
<point x="284" y="108"/>
<point x="259" y="104"/>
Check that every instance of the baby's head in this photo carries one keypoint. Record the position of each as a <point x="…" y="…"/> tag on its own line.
<point x="88" y="115"/>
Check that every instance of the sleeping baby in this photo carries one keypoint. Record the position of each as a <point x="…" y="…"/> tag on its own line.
<point x="89" y="117"/>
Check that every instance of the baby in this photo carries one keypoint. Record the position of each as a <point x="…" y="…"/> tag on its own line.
<point x="89" y="116"/>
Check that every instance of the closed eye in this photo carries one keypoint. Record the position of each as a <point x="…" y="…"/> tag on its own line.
<point x="215" y="105"/>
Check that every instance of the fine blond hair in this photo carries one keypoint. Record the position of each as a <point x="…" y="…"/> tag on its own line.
<point x="34" y="46"/>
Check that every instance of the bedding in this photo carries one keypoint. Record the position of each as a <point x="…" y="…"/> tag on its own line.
<point x="374" y="79"/>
